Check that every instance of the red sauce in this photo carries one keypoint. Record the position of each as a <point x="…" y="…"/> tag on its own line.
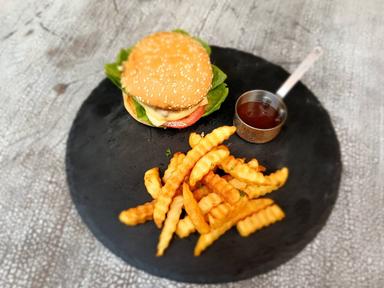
<point x="259" y="114"/>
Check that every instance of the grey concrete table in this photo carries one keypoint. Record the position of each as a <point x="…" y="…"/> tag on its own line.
<point x="51" y="57"/>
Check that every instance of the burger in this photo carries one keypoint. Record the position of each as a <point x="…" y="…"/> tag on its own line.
<point x="167" y="80"/>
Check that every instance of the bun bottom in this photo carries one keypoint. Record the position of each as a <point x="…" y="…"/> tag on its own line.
<point x="130" y="107"/>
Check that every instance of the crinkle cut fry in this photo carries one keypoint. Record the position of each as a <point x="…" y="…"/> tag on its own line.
<point x="259" y="220"/>
<point x="170" y="225"/>
<point x="200" y="192"/>
<point x="241" y="171"/>
<point x="210" y="141"/>
<point x="193" y="210"/>
<point x="194" y="139"/>
<point x="176" y="160"/>
<point x="276" y="180"/>
<point x="152" y="182"/>
<point x="185" y="226"/>
<point x="138" y="214"/>
<point x="220" y="186"/>
<point x="241" y="210"/>
<point x="220" y="211"/>
<point x="206" y="163"/>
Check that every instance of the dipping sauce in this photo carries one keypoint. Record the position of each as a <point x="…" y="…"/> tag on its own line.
<point x="259" y="115"/>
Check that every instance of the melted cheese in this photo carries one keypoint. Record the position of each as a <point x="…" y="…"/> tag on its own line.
<point x="158" y="116"/>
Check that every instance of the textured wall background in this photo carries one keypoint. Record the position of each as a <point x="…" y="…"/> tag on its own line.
<point x="51" y="57"/>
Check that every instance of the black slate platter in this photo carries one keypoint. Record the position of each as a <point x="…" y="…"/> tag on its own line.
<point x="108" y="153"/>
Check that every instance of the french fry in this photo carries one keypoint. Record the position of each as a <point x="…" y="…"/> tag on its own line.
<point x="227" y="177"/>
<point x="194" y="139"/>
<point x="176" y="160"/>
<point x="206" y="163"/>
<point x="259" y="220"/>
<point x="278" y="178"/>
<point x="252" y="206"/>
<point x="185" y="226"/>
<point x="274" y="181"/>
<point x="220" y="211"/>
<point x="170" y="225"/>
<point x="200" y="192"/>
<point x="220" y="186"/>
<point x="261" y="168"/>
<point x="208" y="202"/>
<point x="253" y="163"/>
<point x="242" y="209"/>
<point x="152" y="182"/>
<point x="255" y="191"/>
<point x="240" y="185"/>
<point x="241" y="171"/>
<point x="138" y="214"/>
<point x="193" y="211"/>
<point x="206" y="144"/>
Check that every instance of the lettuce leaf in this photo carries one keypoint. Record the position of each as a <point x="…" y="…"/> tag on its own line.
<point x="140" y="112"/>
<point x="181" y="31"/>
<point x="113" y="70"/>
<point x="218" y="77"/>
<point x="215" y="98"/>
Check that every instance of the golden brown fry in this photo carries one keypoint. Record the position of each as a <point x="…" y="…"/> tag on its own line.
<point x="220" y="211"/>
<point x="251" y="206"/>
<point x="206" y="240"/>
<point x="206" y="144"/>
<point x="241" y="171"/>
<point x="194" y="139"/>
<point x="240" y="185"/>
<point x="241" y="210"/>
<point x="261" y="168"/>
<point x="200" y="192"/>
<point x="274" y="180"/>
<point x="227" y="177"/>
<point x="206" y="163"/>
<point x="255" y="191"/>
<point x="211" y="219"/>
<point x="253" y="163"/>
<point x="176" y="160"/>
<point x="152" y="182"/>
<point x="137" y="215"/>
<point x="259" y="220"/>
<point x="277" y="178"/>
<point x="170" y="225"/>
<point x="193" y="211"/>
<point x="220" y="186"/>
<point x="185" y="225"/>
<point x="208" y="202"/>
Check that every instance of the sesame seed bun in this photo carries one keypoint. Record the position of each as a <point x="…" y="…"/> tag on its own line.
<point x="168" y="70"/>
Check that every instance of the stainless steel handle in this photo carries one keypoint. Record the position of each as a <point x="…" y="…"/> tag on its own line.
<point x="300" y="71"/>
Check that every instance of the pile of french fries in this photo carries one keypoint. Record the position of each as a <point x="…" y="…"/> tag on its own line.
<point x="213" y="203"/>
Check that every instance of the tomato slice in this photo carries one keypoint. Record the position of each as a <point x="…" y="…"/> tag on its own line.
<point x="187" y="121"/>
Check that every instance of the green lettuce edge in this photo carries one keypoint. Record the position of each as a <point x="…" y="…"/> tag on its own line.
<point x="216" y="95"/>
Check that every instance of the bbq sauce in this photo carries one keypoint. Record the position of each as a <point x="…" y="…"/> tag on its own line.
<point x="259" y="115"/>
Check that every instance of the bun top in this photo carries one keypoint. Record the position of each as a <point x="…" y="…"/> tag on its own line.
<point x="168" y="70"/>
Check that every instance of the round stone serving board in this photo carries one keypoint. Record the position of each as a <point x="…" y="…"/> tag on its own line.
<point x="108" y="153"/>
